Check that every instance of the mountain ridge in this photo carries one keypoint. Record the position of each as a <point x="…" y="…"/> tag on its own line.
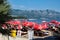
<point x="37" y="14"/>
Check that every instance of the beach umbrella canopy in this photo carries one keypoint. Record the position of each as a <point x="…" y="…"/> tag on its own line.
<point x="44" y="25"/>
<point x="13" y="22"/>
<point x="59" y="23"/>
<point x="24" y="23"/>
<point x="17" y="22"/>
<point x="9" y="22"/>
<point x="54" y="21"/>
<point x="19" y="27"/>
<point x="35" y="26"/>
<point x="30" y="24"/>
<point x="40" y="27"/>
<point x="4" y="26"/>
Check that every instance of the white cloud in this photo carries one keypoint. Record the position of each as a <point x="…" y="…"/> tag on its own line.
<point x="18" y="6"/>
<point x="21" y="6"/>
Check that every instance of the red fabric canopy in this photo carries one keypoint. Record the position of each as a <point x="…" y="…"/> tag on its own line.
<point x="17" y="22"/>
<point x="40" y="27"/>
<point x="13" y="23"/>
<point x="30" y="24"/>
<point x="54" y="21"/>
<point x="35" y="26"/>
<point x="25" y="23"/>
<point x="44" y="26"/>
<point x="9" y="22"/>
<point x="59" y="23"/>
<point x="4" y="26"/>
<point x="19" y="27"/>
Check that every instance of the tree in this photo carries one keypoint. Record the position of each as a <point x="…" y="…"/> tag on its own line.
<point x="4" y="11"/>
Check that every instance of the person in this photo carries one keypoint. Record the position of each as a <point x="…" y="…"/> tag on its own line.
<point x="24" y="29"/>
<point x="30" y="33"/>
<point x="13" y="32"/>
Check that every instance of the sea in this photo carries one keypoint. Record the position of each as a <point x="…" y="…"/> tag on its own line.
<point x="37" y="20"/>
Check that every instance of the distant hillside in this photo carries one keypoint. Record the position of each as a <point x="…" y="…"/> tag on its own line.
<point x="37" y="14"/>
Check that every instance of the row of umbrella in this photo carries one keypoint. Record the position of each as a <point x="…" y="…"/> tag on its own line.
<point x="12" y="24"/>
<point x="36" y="26"/>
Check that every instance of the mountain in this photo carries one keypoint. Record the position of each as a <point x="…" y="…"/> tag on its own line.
<point x="37" y="14"/>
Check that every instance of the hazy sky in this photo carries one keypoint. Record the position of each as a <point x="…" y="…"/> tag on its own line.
<point x="35" y="4"/>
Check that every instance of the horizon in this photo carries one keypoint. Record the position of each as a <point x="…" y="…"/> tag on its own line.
<point x="35" y="4"/>
<point x="36" y="10"/>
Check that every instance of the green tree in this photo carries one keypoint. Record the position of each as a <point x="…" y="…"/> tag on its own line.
<point x="4" y="11"/>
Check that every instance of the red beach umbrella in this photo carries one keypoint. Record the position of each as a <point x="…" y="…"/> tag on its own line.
<point x="54" y="21"/>
<point x="9" y="22"/>
<point x="30" y="24"/>
<point x="16" y="22"/>
<point x="25" y="23"/>
<point x="40" y="27"/>
<point x="19" y="27"/>
<point x="59" y="23"/>
<point x="44" y="25"/>
<point x="4" y="26"/>
<point x="35" y="26"/>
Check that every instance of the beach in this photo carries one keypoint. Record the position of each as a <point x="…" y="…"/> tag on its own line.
<point x="25" y="37"/>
